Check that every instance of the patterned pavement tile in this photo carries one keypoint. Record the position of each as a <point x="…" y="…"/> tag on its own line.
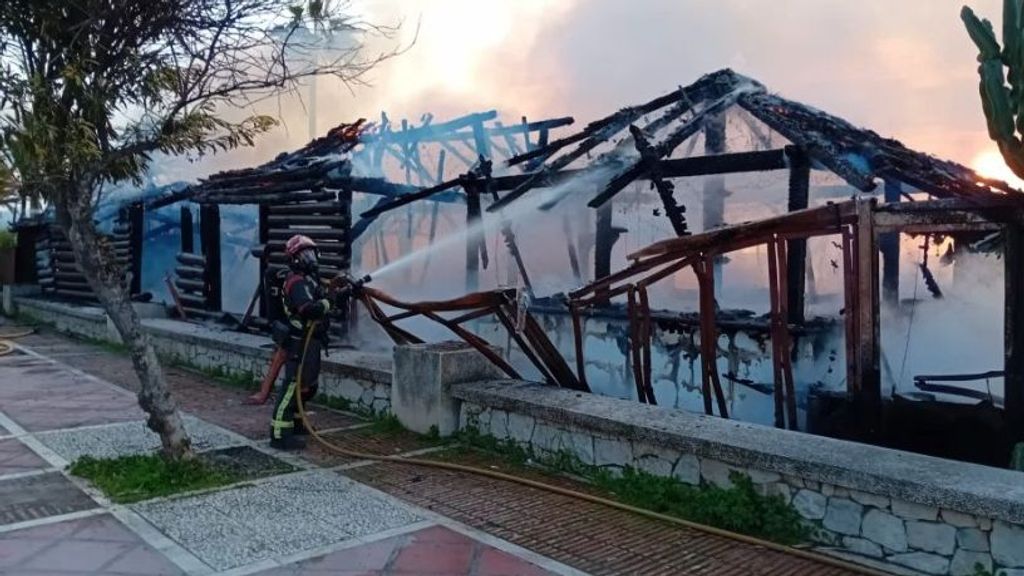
<point x="98" y="545"/>
<point x="41" y="496"/>
<point x="43" y="396"/>
<point x="127" y="438"/>
<point x="283" y="516"/>
<point x="15" y="457"/>
<point x="431" y="551"/>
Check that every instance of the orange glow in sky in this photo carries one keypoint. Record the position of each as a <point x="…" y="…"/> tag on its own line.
<point x="990" y="164"/>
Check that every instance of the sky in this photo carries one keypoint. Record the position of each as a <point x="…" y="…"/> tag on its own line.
<point x="904" y="68"/>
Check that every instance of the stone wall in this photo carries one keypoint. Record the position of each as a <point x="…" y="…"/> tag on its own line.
<point x="363" y="379"/>
<point x="872" y="505"/>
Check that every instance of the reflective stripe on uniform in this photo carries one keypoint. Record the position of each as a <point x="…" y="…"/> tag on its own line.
<point x="279" y="422"/>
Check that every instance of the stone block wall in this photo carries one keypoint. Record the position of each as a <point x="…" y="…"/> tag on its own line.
<point x="359" y="378"/>
<point x="858" y="525"/>
<point x="82" y="322"/>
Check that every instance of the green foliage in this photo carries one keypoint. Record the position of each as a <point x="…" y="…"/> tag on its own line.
<point x="135" y="478"/>
<point x="387" y="425"/>
<point x="8" y="239"/>
<point x="980" y="570"/>
<point x="1017" y="457"/>
<point x="739" y="508"/>
<point x="1001" y="70"/>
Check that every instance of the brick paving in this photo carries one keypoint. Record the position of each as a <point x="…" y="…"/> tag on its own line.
<point x="16" y="458"/>
<point x="591" y="537"/>
<point x="220" y="405"/>
<point x="367" y="440"/>
<point x="435" y="550"/>
<point x="95" y="545"/>
<point x="41" y="496"/>
<point x="588" y="537"/>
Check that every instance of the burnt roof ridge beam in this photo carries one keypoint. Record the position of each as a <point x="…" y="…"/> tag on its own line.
<point x="687" y="98"/>
<point x="430" y="128"/>
<point x="724" y="77"/>
<point x="669" y="144"/>
<point x="765" y="107"/>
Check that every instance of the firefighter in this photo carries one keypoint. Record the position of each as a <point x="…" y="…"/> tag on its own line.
<point x="306" y="306"/>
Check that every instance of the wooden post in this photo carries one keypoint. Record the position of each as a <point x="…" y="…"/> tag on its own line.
<point x="889" y="243"/>
<point x="209" y="236"/>
<point x="799" y="195"/>
<point x="713" y="203"/>
<point x="1013" y="323"/>
<point x="481" y="140"/>
<point x="264" y="237"/>
<point x="136" y="230"/>
<point x="473" y="217"/>
<point x="187" y="231"/>
<point x="867" y="318"/>
<point x="604" y="240"/>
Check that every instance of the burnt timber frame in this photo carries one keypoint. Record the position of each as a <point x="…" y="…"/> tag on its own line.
<point x="860" y="223"/>
<point x="521" y="326"/>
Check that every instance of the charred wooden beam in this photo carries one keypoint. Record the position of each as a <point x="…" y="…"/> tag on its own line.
<point x="191" y="259"/>
<point x="799" y="196"/>
<point x="889" y="244"/>
<point x="136" y="225"/>
<point x="666" y="147"/>
<point x="209" y="221"/>
<point x="422" y="133"/>
<point x="268" y="198"/>
<point x="813" y="221"/>
<point x="411" y="197"/>
<point x="675" y="213"/>
<point x="329" y="208"/>
<point x="191" y="272"/>
<point x="868" y="325"/>
<point x="339" y="220"/>
<point x="473" y="241"/>
<point x="187" y="231"/>
<point x="190" y="285"/>
<point x="1014" y="331"/>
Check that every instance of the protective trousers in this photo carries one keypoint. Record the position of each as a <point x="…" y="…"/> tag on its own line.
<point x="284" y="421"/>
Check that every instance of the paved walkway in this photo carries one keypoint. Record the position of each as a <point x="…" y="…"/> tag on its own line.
<point x="311" y="514"/>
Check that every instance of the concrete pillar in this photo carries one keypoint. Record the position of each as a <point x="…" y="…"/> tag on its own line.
<point x="8" y="300"/>
<point x="422" y="377"/>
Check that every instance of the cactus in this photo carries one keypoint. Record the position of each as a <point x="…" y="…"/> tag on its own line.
<point x="1002" y="79"/>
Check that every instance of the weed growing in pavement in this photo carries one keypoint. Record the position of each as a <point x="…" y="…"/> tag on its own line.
<point x="141" y="477"/>
<point x="739" y="508"/>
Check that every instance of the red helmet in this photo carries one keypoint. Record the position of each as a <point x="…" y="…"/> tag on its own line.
<point x="297" y="244"/>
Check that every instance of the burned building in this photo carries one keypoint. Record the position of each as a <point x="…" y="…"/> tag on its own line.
<point x="610" y="212"/>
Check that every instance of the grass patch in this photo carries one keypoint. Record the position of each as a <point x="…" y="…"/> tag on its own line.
<point x="739" y="508"/>
<point x="134" y="478"/>
<point x="387" y="425"/>
<point x="242" y="379"/>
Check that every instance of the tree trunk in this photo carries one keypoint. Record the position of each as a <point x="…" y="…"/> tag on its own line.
<point x="106" y="278"/>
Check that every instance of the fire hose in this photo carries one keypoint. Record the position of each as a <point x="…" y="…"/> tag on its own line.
<point x="798" y="552"/>
<point x="7" y="340"/>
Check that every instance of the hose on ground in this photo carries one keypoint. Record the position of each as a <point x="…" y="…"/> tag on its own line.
<point x="7" y="340"/>
<point x="450" y="466"/>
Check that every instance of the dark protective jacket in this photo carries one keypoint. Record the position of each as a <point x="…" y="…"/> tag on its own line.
<point x="305" y="301"/>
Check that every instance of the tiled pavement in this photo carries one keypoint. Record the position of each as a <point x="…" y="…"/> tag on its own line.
<point x="434" y="550"/>
<point x="16" y="458"/>
<point x="310" y="521"/>
<point x="376" y="519"/>
<point x="93" y="545"/>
